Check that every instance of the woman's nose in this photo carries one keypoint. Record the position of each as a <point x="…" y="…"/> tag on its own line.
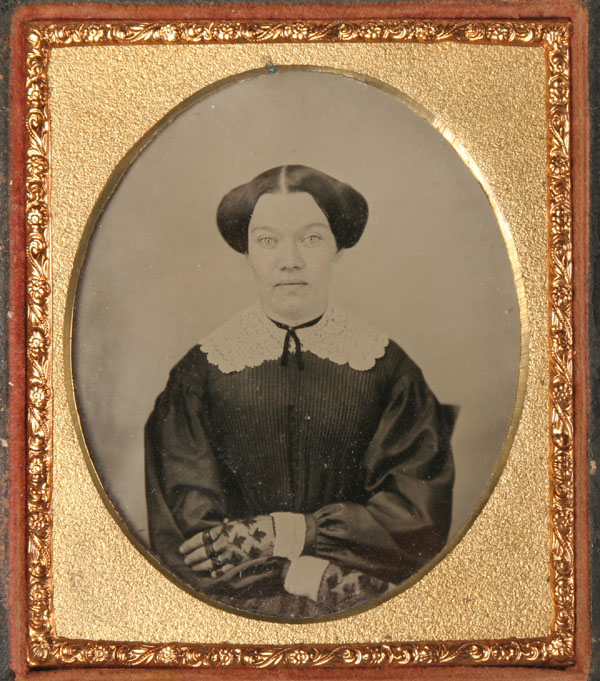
<point x="290" y="256"/>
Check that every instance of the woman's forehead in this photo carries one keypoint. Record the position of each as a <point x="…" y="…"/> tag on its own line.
<point x="292" y="210"/>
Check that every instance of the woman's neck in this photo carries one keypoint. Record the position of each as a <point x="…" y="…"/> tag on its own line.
<point x="295" y="320"/>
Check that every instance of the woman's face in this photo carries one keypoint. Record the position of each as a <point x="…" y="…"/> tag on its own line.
<point x="291" y="250"/>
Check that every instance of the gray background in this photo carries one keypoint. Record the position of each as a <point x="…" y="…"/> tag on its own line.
<point x="431" y="269"/>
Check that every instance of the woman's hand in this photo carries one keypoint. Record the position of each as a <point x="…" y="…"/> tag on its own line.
<point x="342" y="587"/>
<point x="229" y="545"/>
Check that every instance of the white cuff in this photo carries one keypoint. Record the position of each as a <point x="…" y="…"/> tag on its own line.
<point x="304" y="576"/>
<point x="290" y="534"/>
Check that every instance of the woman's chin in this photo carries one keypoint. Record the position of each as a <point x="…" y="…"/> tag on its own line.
<point x="291" y="306"/>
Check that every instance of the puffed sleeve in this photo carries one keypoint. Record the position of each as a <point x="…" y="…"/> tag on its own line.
<point x="184" y="492"/>
<point x="403" y="519"/>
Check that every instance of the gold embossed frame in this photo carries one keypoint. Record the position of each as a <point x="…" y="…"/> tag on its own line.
<point x="447" y="41"/>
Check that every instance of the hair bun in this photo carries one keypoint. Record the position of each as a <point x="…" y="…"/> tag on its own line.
<point x="344" y="207"/>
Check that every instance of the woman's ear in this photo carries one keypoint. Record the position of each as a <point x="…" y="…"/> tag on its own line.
<point x="338" y="255"/>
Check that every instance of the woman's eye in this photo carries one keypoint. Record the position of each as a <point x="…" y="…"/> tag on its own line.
<point x="311" y="239"/>
<point x="266" y="241"/>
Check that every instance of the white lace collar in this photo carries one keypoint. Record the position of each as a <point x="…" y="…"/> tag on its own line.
<point x="250" y="338"/>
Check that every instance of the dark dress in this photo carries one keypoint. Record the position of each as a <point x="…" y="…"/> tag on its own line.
<point x="364" y="454"/>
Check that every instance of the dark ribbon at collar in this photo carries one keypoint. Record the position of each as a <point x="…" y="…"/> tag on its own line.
<point x="292" y="336"/>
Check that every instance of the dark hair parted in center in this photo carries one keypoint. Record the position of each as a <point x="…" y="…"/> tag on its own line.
<point x="344" y="207"/>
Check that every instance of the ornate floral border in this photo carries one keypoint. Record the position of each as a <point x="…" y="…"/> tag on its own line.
<point x="46" y="649"/>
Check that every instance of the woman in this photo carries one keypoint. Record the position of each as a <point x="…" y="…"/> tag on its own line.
<point x="297" y="464"/>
